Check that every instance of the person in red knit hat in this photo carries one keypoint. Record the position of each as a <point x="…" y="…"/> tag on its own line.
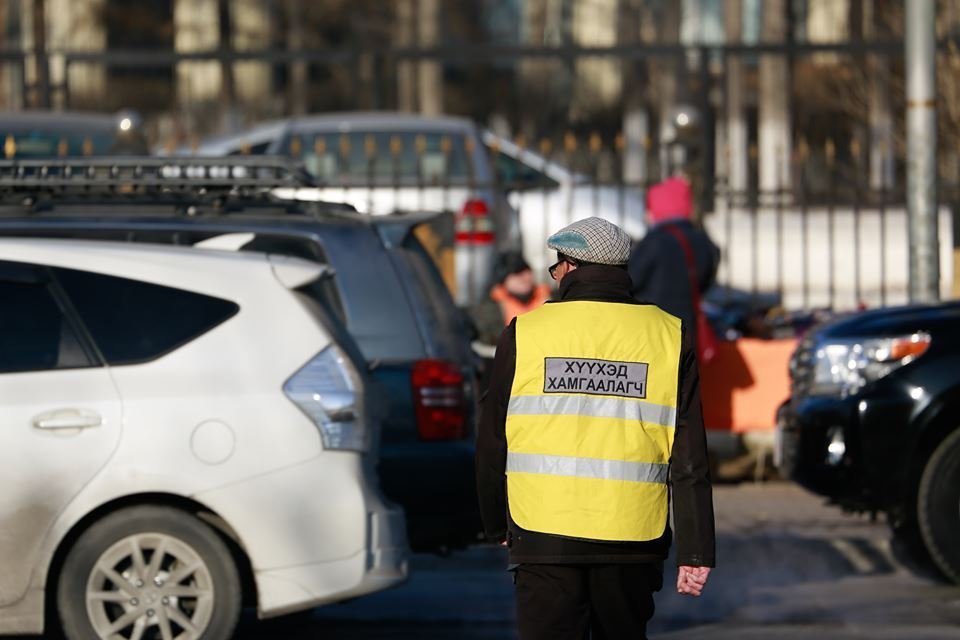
<point x="676" y="261"/>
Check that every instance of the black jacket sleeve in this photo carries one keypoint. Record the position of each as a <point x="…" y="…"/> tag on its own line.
<point x="491" y="459"/>
<point x="689" y="470"/>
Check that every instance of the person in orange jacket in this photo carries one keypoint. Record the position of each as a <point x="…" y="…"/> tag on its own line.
<point x="515" y="293"/>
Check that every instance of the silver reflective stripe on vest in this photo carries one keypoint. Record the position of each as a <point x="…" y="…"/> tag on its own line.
<point x="594" y="408"/>
<point x="586" y="467"/>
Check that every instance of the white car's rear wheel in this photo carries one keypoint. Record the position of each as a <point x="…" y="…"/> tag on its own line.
<point x="149" y="573"/>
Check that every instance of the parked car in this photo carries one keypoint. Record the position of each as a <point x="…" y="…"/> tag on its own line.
<point x="382" y="163"/>
<point x="160" y="467"/>
<point x="387" y="292"/>
<point x="873" y="421"/>
<point x="53" y="134"/>
<point x="548" y="196"/>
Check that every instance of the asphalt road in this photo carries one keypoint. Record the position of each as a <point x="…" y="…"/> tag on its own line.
<point x="789" y="568"/>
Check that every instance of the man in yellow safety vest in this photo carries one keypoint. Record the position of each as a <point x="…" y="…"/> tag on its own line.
<point x="591" y="422"/>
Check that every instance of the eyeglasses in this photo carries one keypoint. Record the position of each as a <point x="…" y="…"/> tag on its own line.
<point x="552" y="269"/>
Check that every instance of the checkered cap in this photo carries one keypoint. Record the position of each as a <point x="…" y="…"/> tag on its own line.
<point x="592" y="240"/>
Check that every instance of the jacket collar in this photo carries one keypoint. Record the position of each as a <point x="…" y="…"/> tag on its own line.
<point x="600" y="283"/>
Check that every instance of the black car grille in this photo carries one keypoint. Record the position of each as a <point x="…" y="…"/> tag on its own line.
<point x="801" y="369"/>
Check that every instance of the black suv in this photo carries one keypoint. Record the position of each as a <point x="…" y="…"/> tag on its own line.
<point x="873" y="421"/>
<point x="387" y="291"/>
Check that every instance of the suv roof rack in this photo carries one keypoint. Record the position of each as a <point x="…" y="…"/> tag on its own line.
<point x="192" y="185"/>
<point x="141" y="172"/>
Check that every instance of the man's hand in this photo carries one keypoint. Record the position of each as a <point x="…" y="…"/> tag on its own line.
<point x="691" y="580"/>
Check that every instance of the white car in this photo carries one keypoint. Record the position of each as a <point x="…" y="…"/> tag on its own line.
<point x="548" y="196"/>
<point x="181" y="436"/>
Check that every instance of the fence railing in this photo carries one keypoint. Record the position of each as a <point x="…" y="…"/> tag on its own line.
<point x="843" y="253"/>
<point x="842" y="250"/>
<point x="838" y="244"/>
<point x="833" y="243"/>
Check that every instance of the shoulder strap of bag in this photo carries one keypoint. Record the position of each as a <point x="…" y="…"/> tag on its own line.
<point x="684" y="242"/>
<point x="706" y="339"/>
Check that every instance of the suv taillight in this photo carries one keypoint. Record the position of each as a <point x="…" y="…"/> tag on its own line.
<point x="328" y="389"/>
<point x="474" y="224"/>
<point x="439" y="400"/>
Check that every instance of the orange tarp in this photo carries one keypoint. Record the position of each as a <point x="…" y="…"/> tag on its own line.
<point x="745" y="383"/>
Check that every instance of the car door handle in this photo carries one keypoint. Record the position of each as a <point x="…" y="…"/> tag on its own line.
<point x="68" y="419"/>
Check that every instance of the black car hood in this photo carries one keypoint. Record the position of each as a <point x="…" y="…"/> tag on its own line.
<point x="894" y="321"/>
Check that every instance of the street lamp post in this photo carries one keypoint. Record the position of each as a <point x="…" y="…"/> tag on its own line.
<point x="924" y="285"/>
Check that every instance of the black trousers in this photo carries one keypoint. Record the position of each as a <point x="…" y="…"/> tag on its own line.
<point x="576" y="602"/>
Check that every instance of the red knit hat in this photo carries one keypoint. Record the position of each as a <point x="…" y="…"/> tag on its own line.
<point x="669" y="200"/>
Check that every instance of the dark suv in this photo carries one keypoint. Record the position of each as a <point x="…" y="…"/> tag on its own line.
<point x="873" y="421"/>
<point x="387" y="291"/>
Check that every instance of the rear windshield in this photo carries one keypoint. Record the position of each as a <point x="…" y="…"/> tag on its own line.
<point x="427" y="274"/>
<point x="441" y="320"/>
<point x="382" y="157"/>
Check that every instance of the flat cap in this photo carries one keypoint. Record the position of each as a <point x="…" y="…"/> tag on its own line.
<point x="592" y="240"/>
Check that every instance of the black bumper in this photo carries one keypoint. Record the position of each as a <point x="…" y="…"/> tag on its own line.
<point x="805" y="430"/>
<point x="436" y="485"/>
<point x="877" y="428"/>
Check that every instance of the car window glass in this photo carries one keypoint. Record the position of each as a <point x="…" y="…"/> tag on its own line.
<point x="133" y="321"/>
<point x="438" y="310"/>
<point x="251" y="150"/>
<point x="382" y="157"/>
<point x="427" y="274"/>
<point x="514" y="174"/>
<point x="42" y="143"/>
<point x="380" y="315"/>
<point x="34" y="334"/>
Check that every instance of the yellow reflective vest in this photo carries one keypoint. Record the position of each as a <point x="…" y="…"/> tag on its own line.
<point x="591" y="420"/>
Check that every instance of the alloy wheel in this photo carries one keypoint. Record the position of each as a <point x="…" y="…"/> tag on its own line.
<point x="150" y="586"/>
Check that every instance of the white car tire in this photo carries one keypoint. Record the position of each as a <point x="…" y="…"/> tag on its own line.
<point x="149" y="572"/>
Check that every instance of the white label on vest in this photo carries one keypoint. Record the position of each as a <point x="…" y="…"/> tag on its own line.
<point x="595" y="377"/>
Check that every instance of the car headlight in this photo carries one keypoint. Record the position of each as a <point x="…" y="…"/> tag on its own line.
<point x="843" y="367"/>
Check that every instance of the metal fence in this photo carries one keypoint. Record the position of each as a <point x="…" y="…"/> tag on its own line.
<point x="836" y="236"/>
<point x="839" y="246"/>
<point x="846" y="254"/>
<point x="845" y="251"/>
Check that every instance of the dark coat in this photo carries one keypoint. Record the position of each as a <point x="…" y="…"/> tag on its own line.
<point x="659" y="271"/>
<point x="690" y="479"/>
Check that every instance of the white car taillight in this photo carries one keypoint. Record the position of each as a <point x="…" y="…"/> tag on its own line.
<point x="329" y="391"/>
